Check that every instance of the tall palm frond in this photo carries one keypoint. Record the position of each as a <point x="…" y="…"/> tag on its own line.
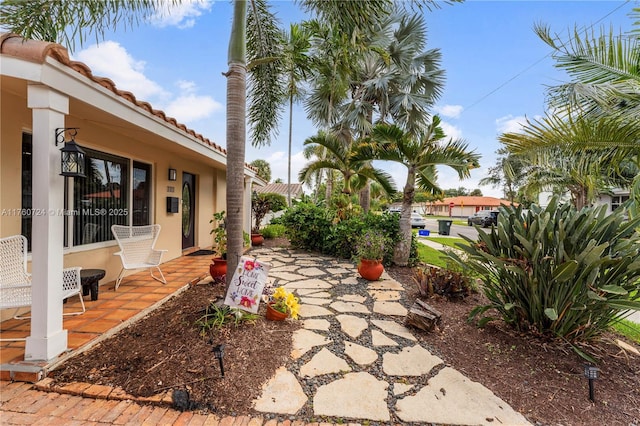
<point x="65" y="21"/>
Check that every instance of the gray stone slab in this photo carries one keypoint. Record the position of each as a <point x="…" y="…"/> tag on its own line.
<point x="352" y="325"/>
<point x="394" y="328"/>
<point x="357" y="395"/>
<point x="360" y="354"/>
<point x="281" y="394"/>
<point x="390" y="308"/>
<point x="379" y="339"/>
<point x="452" y="398"/>
<point x="411" y="361"/>
<point x="324" y="362"/>
<point x="349" y="307"/>
<point x="305" y="340"/>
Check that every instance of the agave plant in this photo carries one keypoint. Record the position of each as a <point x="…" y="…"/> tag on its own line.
<point x="558" y="270"/>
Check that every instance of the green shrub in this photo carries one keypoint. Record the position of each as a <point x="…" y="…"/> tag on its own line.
<point x="273" y="231"/>
<point x="307" y="225"/>
<point x="557" y="270"/>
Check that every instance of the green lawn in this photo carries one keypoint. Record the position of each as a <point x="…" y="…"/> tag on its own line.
<point x="448" y="241"/>
<point x="629" y="329"/>
<point x="432" y="256"/>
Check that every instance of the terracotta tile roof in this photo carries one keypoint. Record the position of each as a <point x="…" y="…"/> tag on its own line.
<point x="474" y="201"/>
<point x="281" y="188"/>
<point x="38" y="51"/>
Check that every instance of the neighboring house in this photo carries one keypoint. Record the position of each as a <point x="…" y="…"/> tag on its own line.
<point x="612" y="199"/>
<point x="463" y="206"/>
<point x="142" y="168"/>
<point x="283" y="189"/>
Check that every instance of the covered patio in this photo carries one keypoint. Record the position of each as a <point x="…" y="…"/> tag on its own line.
<point x="114" y="310"/>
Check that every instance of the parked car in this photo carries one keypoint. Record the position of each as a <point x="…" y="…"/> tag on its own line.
<point x="417" y="221"/>
<point x="484" y="218"/>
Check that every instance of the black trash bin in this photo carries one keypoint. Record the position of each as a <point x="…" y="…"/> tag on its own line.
<point x="444" y="226"/>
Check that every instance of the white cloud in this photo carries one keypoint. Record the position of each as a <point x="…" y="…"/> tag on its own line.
<point x="451" y="131"/>
<point x="510" y="124"/>
<point x="190" y="108"/>
<point x="109" y="59"/>
<point x="278" y="161"/>
<point x="181" y="15"/>
<point x="451" y="111"/>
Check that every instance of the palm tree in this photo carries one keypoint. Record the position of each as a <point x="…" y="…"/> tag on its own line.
<point x="420" y="154"/>
<point x="348" y="158"/>
<point x="297" y="67"/>
<point x="509" y="172"/>
<point x="548" y="144"/>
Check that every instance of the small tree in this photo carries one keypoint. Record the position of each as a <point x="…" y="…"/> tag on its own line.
<point x="261" y="204"/>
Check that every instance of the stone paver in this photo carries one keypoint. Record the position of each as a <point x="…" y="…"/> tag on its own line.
<point x="305" y="340"/>
<point x="414" y="361"/>
<point x="316" y="324"/>
<point x="349" y="307"/>
<point x="357" y="395"/>
<point x="393" y="327"/>
<point x="282" y="394"/>
<point x="314" y="301"/>
<point x="307" y="311"/>
<point x="379" y="339"/>
<point x="360" y="354"/>
<point x="324" y="362"/>
<point x="390" y="308"/>
<point x="352" y="325"/>
<point x="454" y="399"/>
<point x="311" y="283"/>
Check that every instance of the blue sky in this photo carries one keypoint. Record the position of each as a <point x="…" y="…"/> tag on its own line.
<point x="496" y="70"/>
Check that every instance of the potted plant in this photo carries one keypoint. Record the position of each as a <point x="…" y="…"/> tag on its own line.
<point x="218" y="267"/>
<point x="282" y="305"/>
<point x="370" y="250"/>
<point x="261" y="204"/>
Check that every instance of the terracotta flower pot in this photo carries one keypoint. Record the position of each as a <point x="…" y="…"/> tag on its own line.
<point x="218" y="268"/>
<point x="370" y="269"/>
<point x="257" y="239"/>
<point x="274" y="315"/>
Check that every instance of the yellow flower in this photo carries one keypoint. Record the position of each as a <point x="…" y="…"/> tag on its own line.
<point x="286" y="302"/>
<point x="280" y="293"/>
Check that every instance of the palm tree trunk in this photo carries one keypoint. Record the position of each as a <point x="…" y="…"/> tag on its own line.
<point x="403" y="247"/>
<point x="289" y="161"/>
<point x="236" y="135"/>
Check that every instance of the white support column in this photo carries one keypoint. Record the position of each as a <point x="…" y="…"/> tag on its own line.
<point x="47" y="339"/>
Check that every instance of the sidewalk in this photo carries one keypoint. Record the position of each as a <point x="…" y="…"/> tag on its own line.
<point x="352" y="361"/>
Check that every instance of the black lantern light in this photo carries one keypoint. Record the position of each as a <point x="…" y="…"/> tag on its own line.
<point x="591" y="373"/>
<point x="72" y="159"/>
<point x="173" y="174"/>
<point x="218" y="352"/>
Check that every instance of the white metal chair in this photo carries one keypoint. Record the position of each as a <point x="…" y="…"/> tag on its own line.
<point x="15" y="281"/>
<point x="137" y="249"/>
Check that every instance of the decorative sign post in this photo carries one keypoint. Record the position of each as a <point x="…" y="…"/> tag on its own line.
<point x="247" y="283"/>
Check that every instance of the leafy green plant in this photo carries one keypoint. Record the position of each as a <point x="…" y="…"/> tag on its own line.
<point x="263" y="203"/>
<point x="557" y="270"/>
<point x="447" y="283"/>
<point x="273" y="231"/>
<point x="217" y="316"/>
<point x="371" y="245"/>
<point x="219" y="232"/>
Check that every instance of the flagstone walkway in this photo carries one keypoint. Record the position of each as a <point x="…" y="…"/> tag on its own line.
<point x="354" y="360"/>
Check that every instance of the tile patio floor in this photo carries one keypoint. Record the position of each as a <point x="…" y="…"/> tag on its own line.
<point x="137" y="295"/>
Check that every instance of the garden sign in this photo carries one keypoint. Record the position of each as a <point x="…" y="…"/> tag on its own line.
<point x="247" y="283"/>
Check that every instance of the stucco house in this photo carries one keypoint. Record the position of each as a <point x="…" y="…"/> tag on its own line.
<point x="463" y="206"/>
<point x="142" y="167"/>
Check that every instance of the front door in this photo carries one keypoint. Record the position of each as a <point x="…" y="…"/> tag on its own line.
<point x="188" y="210"/>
